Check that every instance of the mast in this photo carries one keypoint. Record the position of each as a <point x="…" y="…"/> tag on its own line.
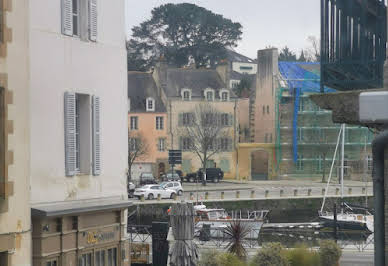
<point x="365" y="174"/>
<point x="342" y="163"/>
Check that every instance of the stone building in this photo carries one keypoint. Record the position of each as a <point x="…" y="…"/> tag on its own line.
<point x="147" y="121"/>
<point x="64" y="133"/>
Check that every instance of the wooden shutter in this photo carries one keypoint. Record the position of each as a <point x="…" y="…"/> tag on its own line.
<point x="70" y="136"/>
<point x="93" y="20"/>
<point x="67" y="17"/>
<point x="96" y="136"/>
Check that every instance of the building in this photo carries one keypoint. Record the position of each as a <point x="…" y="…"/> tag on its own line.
<point x="303" y="134"/>
<point x="147" y="120"/>
<point x="184" y="89"/>
<point x="240" y="67"/>
<point x="15" y="218"/>
<point x="63" y="133"/>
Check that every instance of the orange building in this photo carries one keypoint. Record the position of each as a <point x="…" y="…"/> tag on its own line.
<point x="147" y="121"/>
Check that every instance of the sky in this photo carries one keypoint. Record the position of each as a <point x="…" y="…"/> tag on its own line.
<point x="265" y="22"/>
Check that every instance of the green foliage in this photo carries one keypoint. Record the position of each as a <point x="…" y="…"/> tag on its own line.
<point x="329" y="252"/>
<point x="301" y="256"/>
<point x="244" y="84"/>
<point x="287" y="55"/>
<point x="181" y="33"/>
<point x="271" y="254"/>
<point x="235" y="233"/>
<point x="216" y="258"/>
<point x="302" y="57"/>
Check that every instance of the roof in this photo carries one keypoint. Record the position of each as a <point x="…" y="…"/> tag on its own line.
<point x="236" y="57"/>
<point x="77" y="207"/>
<point x="234" y="75"/>
<point x="141" y="85"/>
<point x="195" y="79"/>
<point x="303" y="75"/>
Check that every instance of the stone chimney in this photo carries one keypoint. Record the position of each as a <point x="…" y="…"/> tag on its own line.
<point x="223" y="70"/>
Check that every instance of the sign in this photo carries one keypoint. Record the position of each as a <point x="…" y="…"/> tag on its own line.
<point x="140" y="253"/>
<point x="175" y="157"/>
<point x="99" y="236"/>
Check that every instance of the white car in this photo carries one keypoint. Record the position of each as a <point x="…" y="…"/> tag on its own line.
<point x="152" y="191"/>
<point x="174" y="186"/>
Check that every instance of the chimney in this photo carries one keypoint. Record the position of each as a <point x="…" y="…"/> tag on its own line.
<point x="267" y="68"/>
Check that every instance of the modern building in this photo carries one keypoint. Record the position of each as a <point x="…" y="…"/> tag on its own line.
<point x="147" y="121"/>
<point x="15" y="217"/>
<point x="304" y="135"/>
<point x="240" y="67"/>
<point x="182" y="90"/>
<point x="63" y="133"/>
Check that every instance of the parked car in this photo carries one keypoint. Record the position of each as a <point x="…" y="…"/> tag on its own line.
<point x="212" y="174"/>
<point x="152" y="191"/>
<point x="174" y="186"/>
<point x="171" y="177"/>
<point x="146" y="179"/>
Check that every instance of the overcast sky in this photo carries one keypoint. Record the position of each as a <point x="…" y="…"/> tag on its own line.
<point x="265" y="22"/>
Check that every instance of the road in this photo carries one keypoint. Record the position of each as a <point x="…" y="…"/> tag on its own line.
<point x="270" y="190"/>
<point x="355" y="258"/>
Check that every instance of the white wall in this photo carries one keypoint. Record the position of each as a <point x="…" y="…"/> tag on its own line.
<point x="58" y="64"/>
<point x="236" y="67"/>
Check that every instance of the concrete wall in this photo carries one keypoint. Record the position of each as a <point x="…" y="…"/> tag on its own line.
<point x="267" y="68"/>
<point x="15" y="219"/>
<point x="178" y="106"/>
<point x="59" y="64"/>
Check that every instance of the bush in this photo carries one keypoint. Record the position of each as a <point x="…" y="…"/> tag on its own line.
<point x="270" y="255"/>
<point x="301" y="256"/>
<point x="217" y="258"/>
<point x="329" y="253"/>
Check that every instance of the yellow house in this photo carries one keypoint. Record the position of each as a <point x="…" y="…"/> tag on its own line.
<point x="182" y="90"/>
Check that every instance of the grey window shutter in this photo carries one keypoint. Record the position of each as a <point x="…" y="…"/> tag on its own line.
<point x="180" y="143"/>
<point x="230" y="144"/>
<point x="93" y="20"/>
<point x="180" y="120"/>
<point x="96" y="136"/>
<point x="230" y="120"/>
<point x="67" y="17"/>
<point x="70" y="138"/>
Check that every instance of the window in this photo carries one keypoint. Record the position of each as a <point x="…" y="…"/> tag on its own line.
<point x="246" y="68"/>
<point x="134" y="123"/>
<point x="224" y="96"/>
<point x="99" y="258"/>
<point x="225" y="120"/>
<point x="133" y="144"/>
<point x="4" y="258"/>
<point x="112" y="257"/>
<point x="263" y="110"/>
<point x="82" y="134"/>
<point x="159" y="122"/>
<point x="266" y="138"/>
<point x="369" y="162"/>
<point x="319" y="163"/>
<point x="2" y="21"/>
<point x="267" y="109"/>
<point x="187" y="118"/>
<point x="150" y="104"/>
<point x="186" y="144"/>
<point x="300" y="134"/>
<point x="209" y="96"/>
<point x="129" y="105"/>
<point x="50" y="262"/>
<point x="301" y="105"/>
<point x="186" y="94"/>
<point x="76" y="17"/>
<point x="299" y="163"/>
<point x="270" y="138"/>
<point x="85" y="260"/>
<point x="161" y="144"/>
<point x="225" y="144"/>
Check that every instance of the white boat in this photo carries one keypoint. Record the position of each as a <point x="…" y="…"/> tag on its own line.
<point x="349" y="218"/>
<point x="218" y="220"/>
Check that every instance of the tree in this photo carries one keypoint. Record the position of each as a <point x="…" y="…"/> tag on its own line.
<point x="137" y="149"/>
<point x="302" y="58"/>
<point x="236" y="232"/>
<point x="270" y="254"/>
<point x="180" y="33"/>
<point x="244" y="84"/>
<point x="314" y="51"/>
<point x="205" y="132"/>
<point x="287" y="55"/>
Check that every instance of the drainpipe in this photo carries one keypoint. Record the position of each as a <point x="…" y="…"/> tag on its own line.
<point x="378" y="146"/>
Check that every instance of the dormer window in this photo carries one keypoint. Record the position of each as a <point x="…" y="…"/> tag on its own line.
<point x="209" y="95"/>
<point x="186" y="95"/>
<point x="150" y="104"/>
<point x="224" y="95"/>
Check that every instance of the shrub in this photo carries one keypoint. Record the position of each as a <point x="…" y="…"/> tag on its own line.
<point x="236" y="232"/>
<point x="271" y="254"/>
<point x="301" y="256"/>
<point x="329" y="253"/>
<point x="216" y="258"/>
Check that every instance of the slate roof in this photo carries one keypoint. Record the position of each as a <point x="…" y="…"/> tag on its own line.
<point x="141" y="86"/>
<point x="236" y="57"/>
<point x="195" y="79"/>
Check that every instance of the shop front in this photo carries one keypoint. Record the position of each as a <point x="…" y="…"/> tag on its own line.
<point x="87" y="233"/>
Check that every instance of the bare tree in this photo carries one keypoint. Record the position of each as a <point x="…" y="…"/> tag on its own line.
<point x="205" y="132"/>
<point x="137" y="149"/>
<point x="313" y="53"/>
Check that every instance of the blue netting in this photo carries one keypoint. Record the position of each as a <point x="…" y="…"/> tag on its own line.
<point x="295" y="124"/>
<point x="303" y="75"/>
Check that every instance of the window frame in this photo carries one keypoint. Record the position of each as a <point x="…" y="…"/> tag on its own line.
<point x="161" y="144"/>
<point x="134" y="123"/>
<point x="208" y="92"/>
<point x="186" y="144"/>
<point x="149" y="101"/>
<point x="159" y="123"/>
<point x="183" y="94"/>
<point x="221" y="94"/>
<point x="76" y="17"/>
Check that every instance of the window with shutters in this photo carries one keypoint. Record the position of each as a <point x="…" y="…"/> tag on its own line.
<point x="224" y="95"/>
<point x="161" y="144"/>
<point x="133" y="144"/>
<point x="224" y="144"/>
<point x="76" y="15"/>
<point x="209" y="94"/>
<point x="187" y="119"/>
<point x="159" y="123"/>
<point x="134" y="123"/>
<point x="186" y="144"/>
<point x="225" y="120"/>
<point x="186" y="94"/>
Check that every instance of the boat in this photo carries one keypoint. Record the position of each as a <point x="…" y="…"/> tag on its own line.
<point x="216" y="220"/>
<point x="350" y="217"/>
